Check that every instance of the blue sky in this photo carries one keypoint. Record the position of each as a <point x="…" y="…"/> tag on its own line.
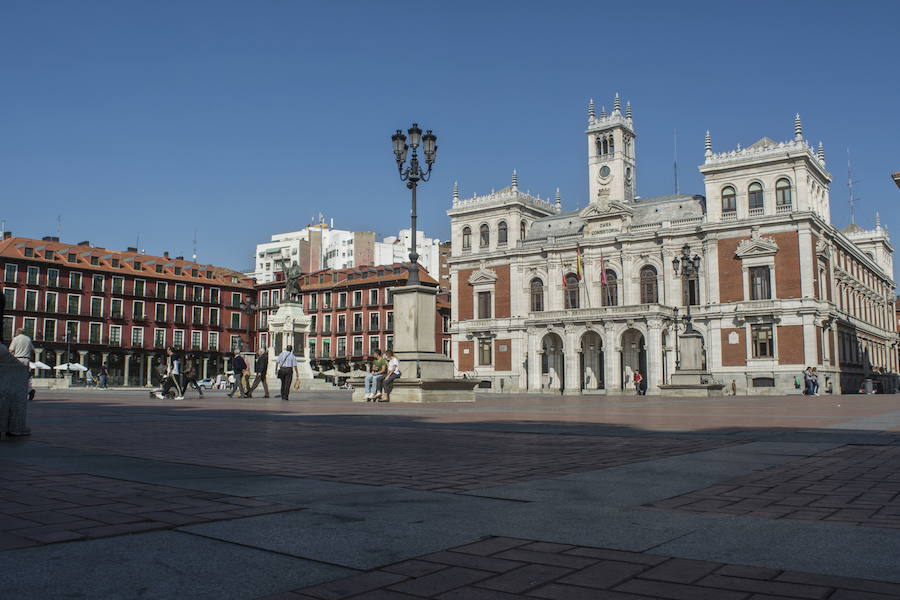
<point x="243" y="119"/>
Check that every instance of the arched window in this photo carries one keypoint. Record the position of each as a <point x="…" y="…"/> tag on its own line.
<point x="571" y="291"/>
<point x="484" y="239"/>
<point x="612" y="145"/>
<point x="783" y="192"/>
<point x="522" y="230"/>
<point x="649" y="293"/>
<point x="610" y="289"/>
<point x="755" y="196"/>
<point x="501" y="233"/>
<point x="537" y="295"/>
<point x="599" y="142"/>
<point x="729" y="202"/>
<point x="467" y="238"/>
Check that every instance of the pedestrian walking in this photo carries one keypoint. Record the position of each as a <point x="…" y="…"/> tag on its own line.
<point x="173" y="376"/>
<point x="23" y="351"/>
<point x="393" y="372"/>
<point x="638" y="381"/>
<point x="814" y="381"/>
<point x="807" y="381"/>
<point x="104" y="377"/>
<point x="190" y="380"/>
<point x="287" y="370"/>
<point x="238" y="365"/>
<point x="733" y="387"/>
<point x="261" y="366"/>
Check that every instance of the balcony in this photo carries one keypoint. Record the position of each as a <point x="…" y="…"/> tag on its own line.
<point x="160" y="318"/>
<point x="97" y="314"/>
<point x="312" y="309"/>
<point x="196" y="322"/>
<point x="196" y="346"/>
<point x="139" y="317"/>
<point x="341" y="330"/>
<point x="756" y="212"/>
<point x="729" y="215"/>
<point x="375" y="327"/>
<point x="93" y="340"/>
<point x="783" y="209"/>
<point x="326" y="331"/>
<point x="358" y="329"/>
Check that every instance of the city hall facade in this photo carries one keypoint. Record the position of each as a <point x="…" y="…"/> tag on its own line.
<point x="575" y="302"/>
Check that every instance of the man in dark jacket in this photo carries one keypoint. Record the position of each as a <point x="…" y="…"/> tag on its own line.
<point x="238" y="365"/>
<point x="261" y="366"/>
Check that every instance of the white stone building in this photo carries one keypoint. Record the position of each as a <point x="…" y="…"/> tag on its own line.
<point x="577" y="301"/>
<point x="395" y="249"/>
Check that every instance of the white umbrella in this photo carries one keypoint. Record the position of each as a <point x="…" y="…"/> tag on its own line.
<point x="70" y="367"/>
<point x="329" y="373"/>
<point x="39" y="365"/>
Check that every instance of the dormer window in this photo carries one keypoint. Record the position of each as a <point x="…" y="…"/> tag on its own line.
<point x="115" y="263"/>
<point x="72" y="257"/>
<point x="29" y="252"/>
<point x="159" y="268"/>
<point x="48" y="254"/>
<point x="95" y="261"/>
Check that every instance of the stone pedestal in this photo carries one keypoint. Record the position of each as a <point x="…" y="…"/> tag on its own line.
<point x="691" y="377"/>
<point x="13" y="394"/>
<point x="289" y="326"/>
<point x="426" y="375"/>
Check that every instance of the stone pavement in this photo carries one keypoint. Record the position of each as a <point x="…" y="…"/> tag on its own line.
<point x="120" y="496"/>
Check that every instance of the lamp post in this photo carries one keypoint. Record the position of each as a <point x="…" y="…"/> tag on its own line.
<point x="412" y="175"/>
<point x="686" y="267"/>
<point x="248" y="307"/>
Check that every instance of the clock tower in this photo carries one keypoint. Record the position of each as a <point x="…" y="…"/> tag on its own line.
<point x="611" y="169"/>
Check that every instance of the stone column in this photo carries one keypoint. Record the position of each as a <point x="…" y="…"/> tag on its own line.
<point x="534" y="365"/>
<point x="205" y="367"/>
<point x="654" y="356"/>
<point x="127" y="368"/>
<point x="571" y="361"/>
<point x="809" y="341"/>
<point x="149" y="371"/>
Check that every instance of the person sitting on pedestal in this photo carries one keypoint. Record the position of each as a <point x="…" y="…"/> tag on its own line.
<point x="375" y="377"/>
<point x="393" y="372"/>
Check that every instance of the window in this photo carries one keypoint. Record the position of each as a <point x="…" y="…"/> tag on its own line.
<point x="690" y="291"/>
<point x="610" y="287"/>
<point x="760" y="288"/>
<point x="179" y="313"/>
<point x="649" y="292"/>
<point x="390" y="321"/>
<point x="466" y="241"/>
<point x="537" y="295"/>
<point x="501" y="233"/>
<point x="326" y="324"/>
<point x="235" y="299"/>
<point x="373" y="321"/>
<point x="179" y="291"/>
<point x="484" y="236"/>
<point x="373" y="344"/>
<point x="484" y="305"/>
<point x="357" y="322"/>
<point x="53" y="277"/>
<point x="357" y="346"/>
<point x="140" y="287"/>
<point x="31" y="300"/>
<point x="74" y="306"/>
<point x="115" y="263"/>
<point x="97" y="283"/>
<point x="75" y="281"/>
<point x="357" y="298"/>
<point x="73" y="328"/>
<point x="342" y="300"/>
<point x="160" y="312"/>
<point x="570" y="293"/>
<point x="197" y="315"/>
<point x="94" y="333"/>
<point x="196" y="340"/>
<point x="9" y="275"/>
<point x="159" y="338"/>
<point x="29" y="252"/>
<point x="137" y="337"/>
<point x="161" y="289"/>
<point x="522" y="230"/>
<point x="761" y="336"/>
<point x="95" y="260"/>
<point x="755" y="196"/>
<point x="8" y="327"/>
<point x="783" y="192"/>
<point x="213" y="341"/>
<point x="72" y="257"/>
<point x="326" y="300"/>
<point x="484" y="352"/>
<point x="178" y="338"/>
<point x="29" y="324"/>
<point x="373" y="297"/>
<point x="198" y="293"/>
<point x="159" y="268"/>
<point x="214" y="317"/>
<point x="214" y="295"/>
<point x="50" y="302"/>
<point x="137" y="265"/>
<point x="96" y="307"/>
<point x="9" y="297"/>
<point x="138" y="309"/>
<point x="729" y="201"/>
<point x="118" y="285"/>
<point x="49" y="330"/>
<point x="235" y="320"/>
<point x="389" y="342"/>
<point x="388" y="296"/>
<point x="341" y="347"/>
<point x="48" y="254"/>
<point x="326" y="348"/>
<point x="342" y="324"/>
<point x="115" y="335"/>
<point x="33" y="275"/>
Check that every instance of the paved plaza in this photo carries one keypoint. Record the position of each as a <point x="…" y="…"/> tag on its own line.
<point x="117" y="495"/>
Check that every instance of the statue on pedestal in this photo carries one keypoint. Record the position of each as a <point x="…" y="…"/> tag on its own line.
<point x="291" y="276"/>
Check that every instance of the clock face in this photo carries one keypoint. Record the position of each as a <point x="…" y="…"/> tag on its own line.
<point x="604" y="171"/>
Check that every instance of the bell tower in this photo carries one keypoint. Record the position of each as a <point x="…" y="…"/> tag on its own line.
<point x="611" y="165"/>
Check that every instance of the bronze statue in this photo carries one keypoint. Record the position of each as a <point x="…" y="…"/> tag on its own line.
<point x="291" y="276"/>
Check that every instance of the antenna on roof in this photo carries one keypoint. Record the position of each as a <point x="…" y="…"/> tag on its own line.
<point x="675" y="161"/>
<point x="194" y="256"/>
<point x="59" y="226"/>
<point x="851" y="199"/>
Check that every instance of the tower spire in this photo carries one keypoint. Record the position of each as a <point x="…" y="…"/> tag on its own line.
<point x="591" y="110"/>
<point x="456" y="191"/>
<point x="820" y="153"/>
<point x="877" y="220"/>
<point x="617" y="104"/>
<point x="603" y="112"/>
<point x="515" y="181"/>
<point x="558" y="201"/>
<point x="798" y="128"/>
<point x="708" y="144"/>
<point x="628" y="109"/>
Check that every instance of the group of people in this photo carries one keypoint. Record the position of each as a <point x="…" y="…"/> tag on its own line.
<point x="810" y="381"/>
<point x="379" y="383"/>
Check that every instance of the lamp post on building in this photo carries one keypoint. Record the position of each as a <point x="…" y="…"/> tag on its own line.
<point x="687" y="268"/>
<point x="248" y="307"/>
<point x="412" y="175"/>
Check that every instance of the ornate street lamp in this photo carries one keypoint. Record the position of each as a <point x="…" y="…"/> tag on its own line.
<point x="248" y="307"/>
<point x="687" y="268"/>
<point x="412" y="175"/>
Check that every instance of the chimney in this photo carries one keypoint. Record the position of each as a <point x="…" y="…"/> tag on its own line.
<point x="179" y="258"/>
<point x="49" y="238"/>
<point x="131" y="249"/>
<point x="166" y="254"/>
<point x="84" y="243"/>
<point x="7" y="235"/>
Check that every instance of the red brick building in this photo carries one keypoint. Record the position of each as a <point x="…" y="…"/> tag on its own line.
<point x="121" y="308"/>
<point x="351" y="313"/>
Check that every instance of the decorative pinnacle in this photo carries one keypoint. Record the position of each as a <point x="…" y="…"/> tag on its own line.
<point x="877" y="221"/>
<point x="820" y="153"/>
<point x="603" y="112"/>
<point x="708" y="144"/>
<point x="617" y="103"/>
<point x="455" y="190"/>
<point x="515" y="180"/>
<point x="798" y="128"/>
<point x="558" y="201"/>
<point x="628" y="109"/>
<point x="591" y="109"/>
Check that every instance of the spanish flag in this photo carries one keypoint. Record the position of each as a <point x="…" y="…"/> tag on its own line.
<point x="579" y="263"/>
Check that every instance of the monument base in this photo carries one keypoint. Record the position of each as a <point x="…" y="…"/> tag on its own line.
<point x="289" y="326"/>
<point x="692" y="383"/>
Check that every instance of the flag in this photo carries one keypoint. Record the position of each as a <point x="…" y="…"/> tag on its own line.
<point x="579" y="267"/>
<point x="602" y="270"/>
<point x="564" y="281"/>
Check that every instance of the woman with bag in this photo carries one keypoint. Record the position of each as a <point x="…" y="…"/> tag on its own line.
<point x="286" y="363"/>
<point x="393" y="372"/>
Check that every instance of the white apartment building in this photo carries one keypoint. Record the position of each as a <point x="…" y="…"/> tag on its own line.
<point x="396" y="248"/>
